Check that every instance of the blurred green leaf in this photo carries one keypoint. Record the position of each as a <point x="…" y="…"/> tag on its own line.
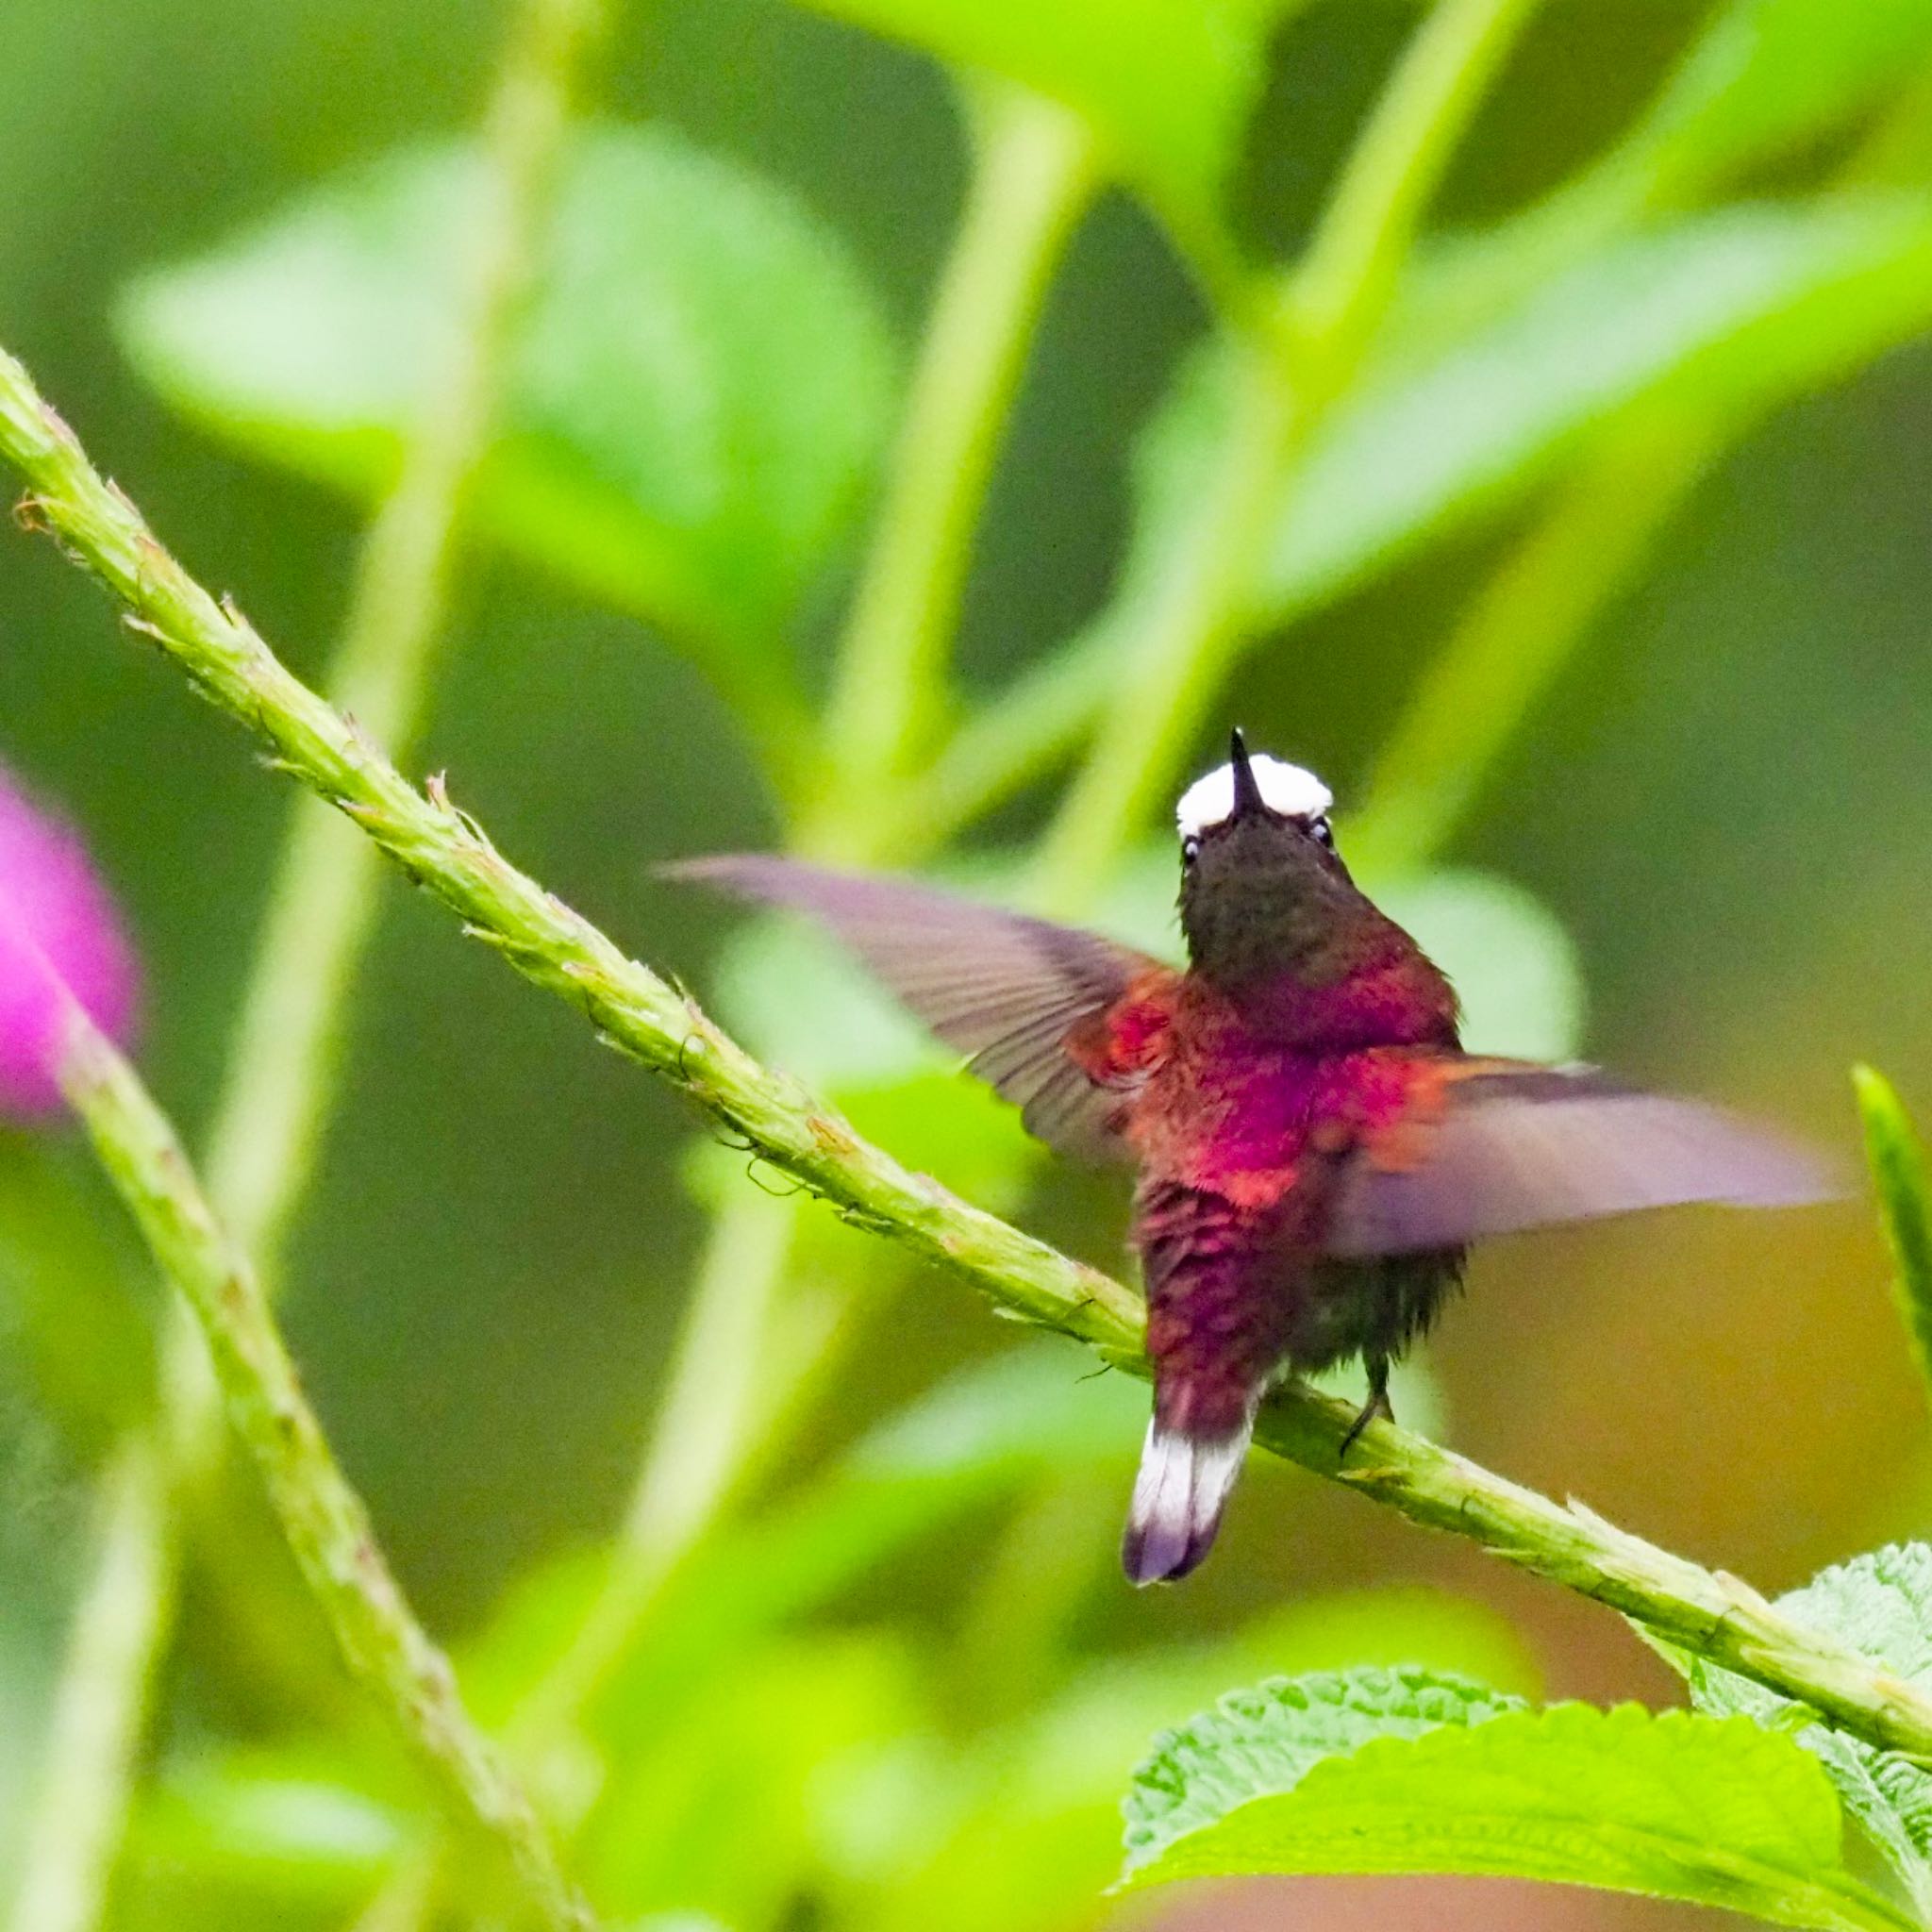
<point x="1767" y="75"/>
<point x="1165" y="85"/>
<point x="1433" y="1775"/>
<point x="695" y="404"/>
<point x="1880" y="1605"/>
<point x="1730" y="310"/>
<point x="1511" y="962"/>
<point x="979" y="1437"/>
<point x="717" y="1815"/>
<point x="1020" y="1828"/>
<point x="1905" y="1199"/>
<point x="304" y="1823"/>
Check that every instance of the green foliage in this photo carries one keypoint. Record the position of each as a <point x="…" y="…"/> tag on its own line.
<point x="1770" y="74"/>
<point x="797" y="1721"/>
<point x="1904" y="1200"/>
<point x="1403" y="1771"/>
<point x="1880" y="1607"/>
<point x="696" y="399"/>
<point x="1733" y="309"/>
<point x="1165" y="85"/>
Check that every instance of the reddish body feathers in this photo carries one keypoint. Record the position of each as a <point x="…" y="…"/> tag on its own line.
<point x="1313" y="1148"/>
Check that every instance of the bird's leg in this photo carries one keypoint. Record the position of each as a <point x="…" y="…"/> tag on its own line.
<point x="1377" y="1404"/>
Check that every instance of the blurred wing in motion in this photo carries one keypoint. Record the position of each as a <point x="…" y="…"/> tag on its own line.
<point x="1003" y="989"/>
<point x="1490" y="1147"/>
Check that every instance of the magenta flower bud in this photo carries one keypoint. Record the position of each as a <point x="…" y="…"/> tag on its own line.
<point x="55" y="913"/>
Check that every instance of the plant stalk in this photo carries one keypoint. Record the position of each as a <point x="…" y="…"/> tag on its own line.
<point x="322" y="1518"/>
<point x="1711" y="1614"/>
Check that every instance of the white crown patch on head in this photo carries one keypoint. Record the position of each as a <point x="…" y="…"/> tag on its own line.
<point x="1284" y="788"/>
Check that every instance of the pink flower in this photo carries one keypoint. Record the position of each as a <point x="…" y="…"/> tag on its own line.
<point x="53" y="913"/>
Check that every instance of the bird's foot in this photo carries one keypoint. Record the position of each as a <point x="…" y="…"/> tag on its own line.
<point x="1377" y="1404"/>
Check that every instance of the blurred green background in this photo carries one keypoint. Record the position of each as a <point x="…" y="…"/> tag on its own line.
<point x="1726" y="800"/>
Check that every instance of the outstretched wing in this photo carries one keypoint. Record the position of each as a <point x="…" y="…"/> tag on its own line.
<point x="1488" y="1147"/>
<point x="1005" y="990"/>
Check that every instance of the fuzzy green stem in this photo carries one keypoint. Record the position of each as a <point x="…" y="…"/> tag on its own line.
<point x="1033" y="174"/>
<point x="321" y="908"/>
<point x="322" y="1518"/>
<point x="1706" y="1612"/>
<point x="100" y="1702"/>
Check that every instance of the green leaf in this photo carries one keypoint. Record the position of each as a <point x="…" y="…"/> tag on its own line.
<point x="979" y="1437"/>
<point x="1265" y="1740"/>
<point x="1905" y="1199"/>
<point x="1728" y="311"/>
<point x="695" y="403"/>
<point x="1879" y="1606"/>
<point x="1165" y="85"/>
<point x="1415" y="1775"/>
<point x="1767" y="74"/>
<point x="674" y="1828"/>
<point x="300" y="1823"/>
<point x="1019" y="1826"/>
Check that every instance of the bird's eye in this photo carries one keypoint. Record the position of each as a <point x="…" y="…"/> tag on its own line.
<point x="1190" y="849"/>
<point x="1322" y="833"/>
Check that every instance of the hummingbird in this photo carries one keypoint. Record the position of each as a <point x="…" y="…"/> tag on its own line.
<point x="1314" y="1150"/>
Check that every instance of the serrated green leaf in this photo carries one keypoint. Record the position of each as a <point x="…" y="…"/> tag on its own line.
<point x="694" y="405"/>
<point x="1879" y="1606"/>
<point x="1019" y="1827"/>
<point x="1712" y="1811"/>
<point x="1905" y="1199"/>
<point x="1165" y="85"/>
<point x="1736" y="307"/>
<point x="1267" y="1739"/>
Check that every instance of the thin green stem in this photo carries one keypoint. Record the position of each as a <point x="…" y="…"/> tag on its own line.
<point x="1188" y="634"/>
<point x="1032" y="177"/>
<point x="321" y="1517"/>
<point x="261" y="1147"/>
<point x="100" y="1702"/>
<point x="1280" y="388"/>
<point x="1341" y="286"/>
<point x="1517" y="634"/>
<point x="1711" y="1614"/>
<point x="321" y="908"/>
<point x="1897" y="1160"/>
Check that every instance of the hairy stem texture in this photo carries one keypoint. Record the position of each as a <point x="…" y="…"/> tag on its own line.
<point x="1715" y="1616"/>
<point x="322" y="1518"/>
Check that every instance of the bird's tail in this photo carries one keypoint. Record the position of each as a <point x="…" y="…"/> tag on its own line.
<point x="1188" y="1469"/>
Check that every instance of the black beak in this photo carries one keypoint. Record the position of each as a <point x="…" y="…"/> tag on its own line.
<point x="1248" y="802"/>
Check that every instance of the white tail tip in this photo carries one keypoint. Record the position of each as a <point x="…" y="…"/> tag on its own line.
<point x="1178" y="1497"/>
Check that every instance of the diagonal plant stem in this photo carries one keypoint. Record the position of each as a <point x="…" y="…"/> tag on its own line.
<point x="1707" y="1612"/>
<point x="322" y="1518"/>
<point x="1032" y="177"/>
<point x="1282" y="381"/>
<point x="1518" y="631"/>
<point x="1033" y="174"/>
<point x="321" y="908"/>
